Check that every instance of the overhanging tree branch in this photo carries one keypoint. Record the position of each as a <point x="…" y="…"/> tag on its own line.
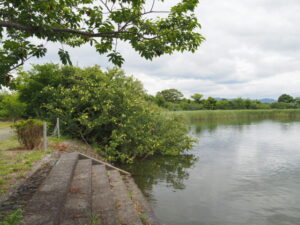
<point x="79" y="22"/>
<point x="36" y="29"/>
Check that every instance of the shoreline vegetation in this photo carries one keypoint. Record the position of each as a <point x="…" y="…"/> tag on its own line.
<point x="210" y="115"/>
<point x="114" y="113"/>
<point x="104" y="108"/>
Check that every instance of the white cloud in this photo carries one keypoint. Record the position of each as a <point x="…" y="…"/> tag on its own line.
<point x="262" y="87"/>
<point x="252" y="50"/>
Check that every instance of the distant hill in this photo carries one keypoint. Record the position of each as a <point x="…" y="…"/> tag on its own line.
<point x="267" y="100"/>
<point x="263" y="100"/>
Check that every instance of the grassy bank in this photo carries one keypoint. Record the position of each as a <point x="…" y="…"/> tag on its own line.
<point x="15" y="162"/>
<point x="206" y="115"/>
<point x="5" y="124"/>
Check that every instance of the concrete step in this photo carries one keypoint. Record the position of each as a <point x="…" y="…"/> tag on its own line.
<point x="126" y="213"/>
<point x="141" y="204"/>
<point x="103" y="207"/>
<point x="78" y="206"/>
<point x="83" y="191"/>
<point x="47" y="202"/>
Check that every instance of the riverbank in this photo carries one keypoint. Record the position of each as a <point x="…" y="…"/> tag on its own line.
<point x="77" y="189"/>
<point x="208" y="115"/>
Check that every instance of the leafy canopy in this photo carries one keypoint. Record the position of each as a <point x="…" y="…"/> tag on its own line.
<point x="170" y="95"/>
<point x="100" y="23"/>
<point x="197" y="97"/>
<point x="285" y="98"/>
<point x="104" y="108"/>
<point x="10" y="106"/>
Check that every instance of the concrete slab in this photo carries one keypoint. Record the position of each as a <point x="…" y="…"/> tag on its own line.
<point x="47" y="202"/>
<point x="102" y="198"/>
<point x="140" y="201"/>
<point x="126" y="212"/>
<point x="77" y="208"/>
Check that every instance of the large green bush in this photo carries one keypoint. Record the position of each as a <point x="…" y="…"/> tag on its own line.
<point x="106" y="108"/>
<point x="29" y="133"/>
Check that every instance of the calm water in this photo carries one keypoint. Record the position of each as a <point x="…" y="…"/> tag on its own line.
<point x="239" y="172"/>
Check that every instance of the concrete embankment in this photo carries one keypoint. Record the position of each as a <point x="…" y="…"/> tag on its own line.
<point x="82" y="190"/>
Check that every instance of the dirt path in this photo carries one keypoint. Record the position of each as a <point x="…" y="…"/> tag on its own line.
<point x="6" y="133"/>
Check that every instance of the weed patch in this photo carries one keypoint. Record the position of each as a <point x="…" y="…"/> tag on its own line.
<point x="14" y="219"/>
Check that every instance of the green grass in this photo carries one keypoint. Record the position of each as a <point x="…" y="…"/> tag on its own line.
<point x="144" y="219"/>
<point x="206" y="115"/>
<point x="4" y="124"/>
<point x="14" y="219"/>
<point x="95" y="220"/>
<point x="9" y="143"/>
<point x="14" y="162"/>
<point x="55" y="140"/>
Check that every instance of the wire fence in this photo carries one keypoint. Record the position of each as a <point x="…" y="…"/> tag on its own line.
<point x="55" y="133"/>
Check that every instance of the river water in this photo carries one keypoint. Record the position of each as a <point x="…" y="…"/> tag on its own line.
<point x="242" y="172"/>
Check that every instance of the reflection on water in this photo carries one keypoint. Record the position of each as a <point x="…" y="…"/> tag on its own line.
<point x="240" y="172"/>
<point x="210" y="125"/>
<point x="170" y="170"/>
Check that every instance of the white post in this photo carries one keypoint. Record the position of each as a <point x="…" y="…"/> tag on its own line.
<point x="58" y="129"/>
<point x="45" y="136"/>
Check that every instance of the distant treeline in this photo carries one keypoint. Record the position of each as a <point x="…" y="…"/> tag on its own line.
<point x="173" y="99"/>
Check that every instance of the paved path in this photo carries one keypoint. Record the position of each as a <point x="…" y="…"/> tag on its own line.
<point x="5" y="133"/>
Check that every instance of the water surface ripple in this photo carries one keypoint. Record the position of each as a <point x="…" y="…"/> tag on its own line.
<point x="245" y="173"/>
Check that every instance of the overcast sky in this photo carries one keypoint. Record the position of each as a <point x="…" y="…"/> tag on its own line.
<point x="252" y="50"/>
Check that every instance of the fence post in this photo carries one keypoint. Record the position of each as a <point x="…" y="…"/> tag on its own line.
<point x="45" y="136"/>
<point x="58" y="128"/>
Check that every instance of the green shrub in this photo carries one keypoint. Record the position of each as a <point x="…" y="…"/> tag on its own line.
<point x="14" y="218"/>
<point x="29" y="133"/>
<point x="104" y="108"/>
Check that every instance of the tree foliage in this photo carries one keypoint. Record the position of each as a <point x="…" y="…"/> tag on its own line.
<point x="210" y="103"/>
<point x="199" y="103"/>
<point x="105" y="108"/>
<point x="170" y="95"/>
<point x="297" y="100"/>
<point x="150" y="32"/>
<point x="197" y="97"/>
<point x="285" y="98"/>
<point x="10" y="106"/>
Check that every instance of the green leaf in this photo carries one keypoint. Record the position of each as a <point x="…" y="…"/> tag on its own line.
<point x="116" y="58"/>
<point x="64" y="57"/>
